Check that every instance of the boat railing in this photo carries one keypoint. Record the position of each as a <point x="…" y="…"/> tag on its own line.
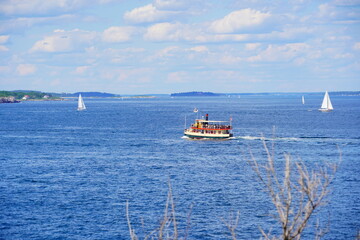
<point x="204" y="126"/>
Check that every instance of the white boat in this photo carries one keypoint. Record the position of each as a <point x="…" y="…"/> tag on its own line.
<point x="81" y="104"/>
<point x="326" y="105"/>
<point x="203" y="129"/>
<point x="303" y="100"/>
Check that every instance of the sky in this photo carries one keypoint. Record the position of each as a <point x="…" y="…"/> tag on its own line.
<point x="168" y="46"/>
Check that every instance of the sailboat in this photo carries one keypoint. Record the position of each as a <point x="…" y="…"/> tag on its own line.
<point x="303" y="100"/>
<point x="326" y="105"/>
<point x="81" y="104"/>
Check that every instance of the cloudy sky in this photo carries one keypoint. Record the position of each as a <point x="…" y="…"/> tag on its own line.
<point x="165" y="46"/>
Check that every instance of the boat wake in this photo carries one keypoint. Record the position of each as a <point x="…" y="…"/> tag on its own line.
<point x="299" y="139"/>
<point x="270" y="138"/>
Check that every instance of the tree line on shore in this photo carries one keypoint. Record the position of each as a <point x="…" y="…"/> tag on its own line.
<point x="17" y="95"/>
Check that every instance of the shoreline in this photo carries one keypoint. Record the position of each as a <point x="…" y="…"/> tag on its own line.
<point x="6" y="100"/>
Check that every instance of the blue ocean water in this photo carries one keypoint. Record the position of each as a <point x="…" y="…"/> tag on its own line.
<point x="67" y="174"/>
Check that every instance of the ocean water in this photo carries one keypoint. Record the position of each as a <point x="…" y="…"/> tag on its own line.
<point x="67" y="174"/>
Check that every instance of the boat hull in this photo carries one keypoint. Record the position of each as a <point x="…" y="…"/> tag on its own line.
<point x="207" y="136"/>
<point x="325" y="110"/>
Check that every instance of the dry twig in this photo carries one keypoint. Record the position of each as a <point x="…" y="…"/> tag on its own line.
<point x="295" y="201"/>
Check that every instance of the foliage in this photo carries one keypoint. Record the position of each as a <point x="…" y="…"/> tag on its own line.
<point x="21" y="94"/>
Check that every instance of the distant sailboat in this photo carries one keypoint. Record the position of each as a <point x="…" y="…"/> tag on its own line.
<point x="326" y="105"/>
<point x="81" y="104"/>
<point x="303" y="100"/>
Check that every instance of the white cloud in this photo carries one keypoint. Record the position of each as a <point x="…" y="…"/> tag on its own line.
<point x="291" y="32"/>
<point x="118" y="34"/>
<point x="347" y="2"/>
<point x="183" y="32"/>
<point x="26" y="69"/>
<point x="23" y="23"/>
<point x="3" y="39"/>
<point x="164" y="31"/>
<point x="357" y="46"/>
<point x="15" y="7"/>
<point x="275" y="53"/>
<point x="163" y="55"/>
<point x="252" y="46"/>
<point x="134" y="77"/>
<point x="4" y="69"/>
<point x="147" y="14"/>
<point x="168" y="51"/>
<point x="332" y="12"/>
<point x="170" y="4"/>
<point x="81" y="70"/>
<point x="165" y="10"/>
<point x="178" y="77"/>
<point x="199" y="49"/>
<point x="187" y="7"/>
<point x="239" y="20"/>
<point x="32" y="7"/>
<point x="64" y="41"/>
<point x="229" y="60"/>
<point x="3" y="48"/>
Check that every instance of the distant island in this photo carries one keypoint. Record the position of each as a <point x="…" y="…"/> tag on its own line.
<point x="211" y="94"/>
<point x="196" y="94"/>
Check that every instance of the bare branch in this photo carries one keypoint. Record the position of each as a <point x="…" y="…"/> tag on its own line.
<point x="188" y="222"/>
<point x="295" y="200"/>
<point x="232" y="225"/>
<point x="173" y="211"/>
<point x="132" y="232"/>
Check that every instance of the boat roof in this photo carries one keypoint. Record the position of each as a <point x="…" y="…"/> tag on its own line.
<point x="203" y="120"/>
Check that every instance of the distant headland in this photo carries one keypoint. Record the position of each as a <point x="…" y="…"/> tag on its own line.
<point x="196" y="94"/>
<point x="17" y="96"/>
<point x="26" y="95"/>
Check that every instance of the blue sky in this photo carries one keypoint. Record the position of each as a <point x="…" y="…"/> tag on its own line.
<point x="166" y="46"/>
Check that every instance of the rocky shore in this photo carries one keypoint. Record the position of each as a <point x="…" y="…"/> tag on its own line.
<point x="8" y="100"/>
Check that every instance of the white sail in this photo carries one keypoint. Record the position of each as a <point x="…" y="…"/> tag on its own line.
<point x="303" y="100"/>
<point x="81" y="104"/>
<point x="326" y="103"/>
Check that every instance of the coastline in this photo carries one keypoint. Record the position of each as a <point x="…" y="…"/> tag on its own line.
<point x="11" y="100"/>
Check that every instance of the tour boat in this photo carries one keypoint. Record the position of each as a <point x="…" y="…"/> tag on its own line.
<point x="204" y="128"/>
